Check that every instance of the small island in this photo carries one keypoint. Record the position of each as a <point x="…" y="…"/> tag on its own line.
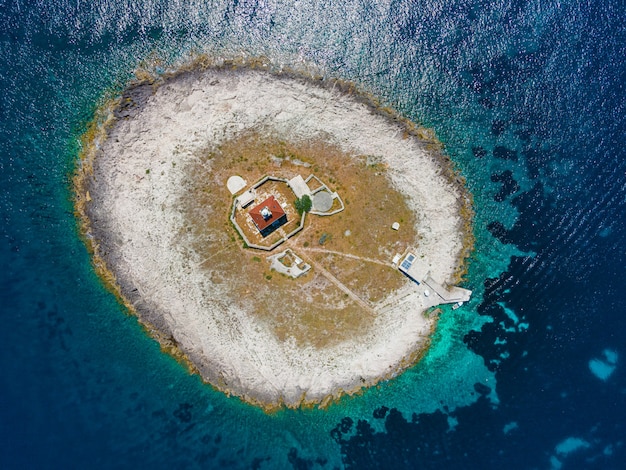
<point x="284" y="236"/>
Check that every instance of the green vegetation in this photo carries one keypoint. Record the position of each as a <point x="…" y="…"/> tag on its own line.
<point x="324" y="238"/>
<point x="303" y="204"/>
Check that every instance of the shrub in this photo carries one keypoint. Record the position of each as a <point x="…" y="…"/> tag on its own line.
<point x="303" y="204"/>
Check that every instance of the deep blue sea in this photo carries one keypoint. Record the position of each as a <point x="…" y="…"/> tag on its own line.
<point x="529" y="99"/>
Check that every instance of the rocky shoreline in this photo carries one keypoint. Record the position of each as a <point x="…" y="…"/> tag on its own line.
<point x="127" y="190"/>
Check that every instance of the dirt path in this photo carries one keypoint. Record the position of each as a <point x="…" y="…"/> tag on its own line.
<point x="341" y="286"/>
<point x="347" y="255"/>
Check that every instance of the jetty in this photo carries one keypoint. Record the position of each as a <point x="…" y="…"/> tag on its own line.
<point x="443" y="294"/>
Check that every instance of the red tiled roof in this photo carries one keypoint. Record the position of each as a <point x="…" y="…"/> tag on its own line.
<point x="275" y="210"/>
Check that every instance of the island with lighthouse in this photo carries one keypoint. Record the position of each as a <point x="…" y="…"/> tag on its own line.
<point x="286" y="237"/>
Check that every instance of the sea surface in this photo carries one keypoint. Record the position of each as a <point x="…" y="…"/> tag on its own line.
<point x="529" y="99"/>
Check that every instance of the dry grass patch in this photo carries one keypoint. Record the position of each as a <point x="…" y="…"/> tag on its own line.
<point x="311" y="309"/>
<point x="370" y="281"/>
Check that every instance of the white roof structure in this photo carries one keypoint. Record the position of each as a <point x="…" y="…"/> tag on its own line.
<point x="299" y="186"/>
<point x="246" y="198"/>
<point x="235" y="184"/>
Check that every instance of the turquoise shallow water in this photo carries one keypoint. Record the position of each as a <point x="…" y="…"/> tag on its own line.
<point x="527" y="97"/>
